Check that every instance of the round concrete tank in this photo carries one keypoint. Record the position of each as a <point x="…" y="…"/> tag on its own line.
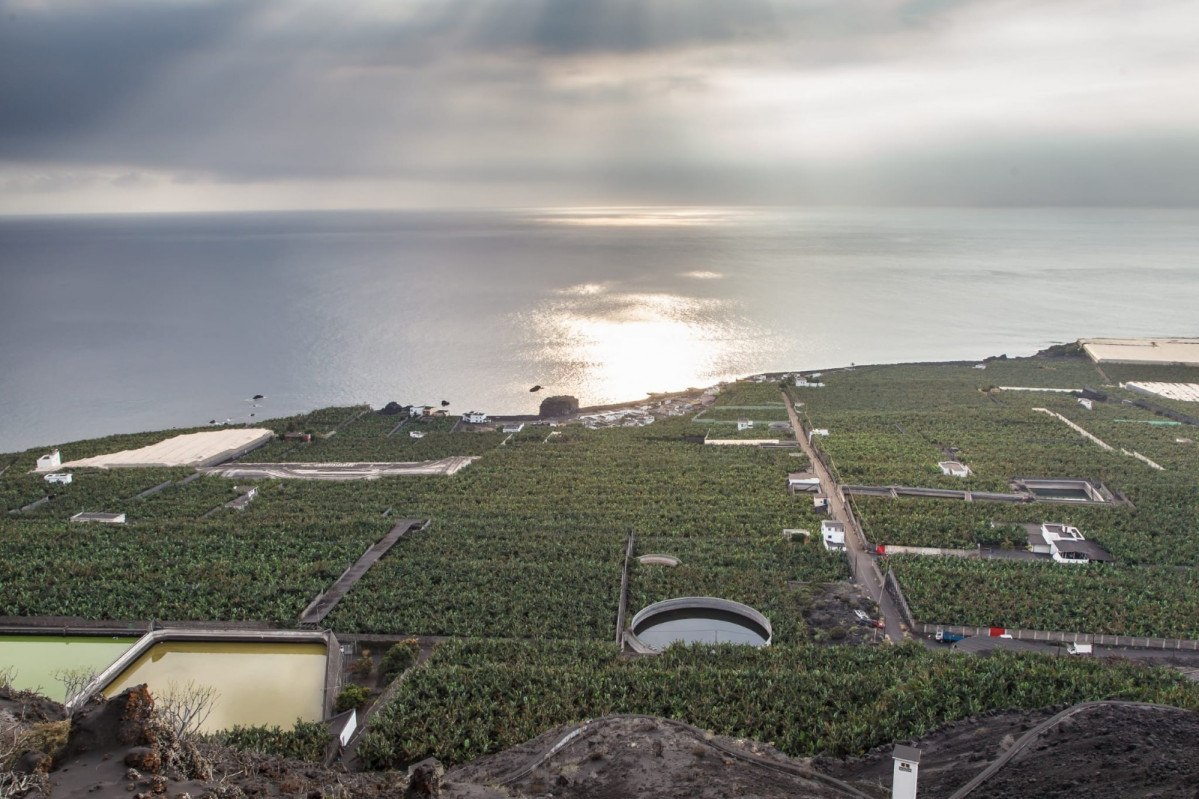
<point x="698" y="619"/>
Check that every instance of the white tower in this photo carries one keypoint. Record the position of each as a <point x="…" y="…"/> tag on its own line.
<point x="903" y="779"/>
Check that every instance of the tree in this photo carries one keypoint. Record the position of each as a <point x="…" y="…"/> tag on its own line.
<point x="186" y="707"/>
<point x="74" y="680"/>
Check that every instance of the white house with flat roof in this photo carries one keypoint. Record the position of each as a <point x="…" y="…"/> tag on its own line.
<point x="62" y="478"/>
<point x="512" y="428"/>
<point x="474" y="417"/>
<point x="745" y="424"/>
<point x="1065" y="544"/>
<point x="49" y="462"/>
<point x="833" y="534"/>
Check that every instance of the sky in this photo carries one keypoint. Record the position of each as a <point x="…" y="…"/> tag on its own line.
<point x="135" y="106"/>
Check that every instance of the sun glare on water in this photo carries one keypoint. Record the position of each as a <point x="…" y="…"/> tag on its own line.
<point x="617" y="345"/>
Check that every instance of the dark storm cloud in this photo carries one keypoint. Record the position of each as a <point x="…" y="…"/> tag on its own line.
<point x="68" y="67"/>
<point x="671" y="101"/>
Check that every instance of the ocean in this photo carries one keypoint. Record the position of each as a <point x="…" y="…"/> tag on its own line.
<point x="125" y="323"/>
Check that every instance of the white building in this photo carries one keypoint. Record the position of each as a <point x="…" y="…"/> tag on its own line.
<point x="416" y="434"/>
<point x="1066" y="545"/>
<point x="474" y="417"/>
<point x="833" y="534"/>
<point x="62" y="478"/>
<point x="419" y="410"/>
<point x="745" y="424"/>
<point x="49" y="462"/>
<point x="954" y="468"/>
<point x="905" y="772"/>
<point x="1086" y="403"/>
<point x="513" y="428"/>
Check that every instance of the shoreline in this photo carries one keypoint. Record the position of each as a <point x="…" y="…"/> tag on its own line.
<point x="1070" y="350"/>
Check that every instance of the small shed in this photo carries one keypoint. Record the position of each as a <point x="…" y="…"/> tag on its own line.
<point x="102" y="518"/>
<point x="1086" y="403"/>
<point x="803" y="481"/>
<point x="745" y="424"/>
<point x="955" y="468"/>
<point x="50" y="461"/>
<point x="416" y="434"/>
<point x="833" y="534"/>
<point x="62" y="478"/>
<point x="248" y="494"/>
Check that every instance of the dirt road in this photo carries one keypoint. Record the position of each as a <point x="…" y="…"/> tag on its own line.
<point x="864" y="569"/>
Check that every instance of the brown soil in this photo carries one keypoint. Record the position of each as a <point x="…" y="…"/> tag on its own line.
<point x="829" y="613"/>
<point x="1103" y="752"/>
<point x="636" y="756"/>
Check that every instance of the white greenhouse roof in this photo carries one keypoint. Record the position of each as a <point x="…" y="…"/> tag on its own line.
<point x="189" y="449"/>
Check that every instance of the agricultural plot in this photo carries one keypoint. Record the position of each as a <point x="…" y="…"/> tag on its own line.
<point x="752" y="570"/>
<point x="759" y="414"/>
<point x="230" y="570"/>
<point x="542" y="527"/>
<point x="747" y="392"/>
<point x="95" y="490"/>
<point x="1157" y="602"/>
<point x="472" y="698"/>
<point x="889" y="426"/>
<point x="366" y="439"/>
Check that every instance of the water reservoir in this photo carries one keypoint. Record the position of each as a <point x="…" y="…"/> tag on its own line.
<point x="257" y="683"/>
<point x="706" y="620"/>
<point x="37" y="659"/>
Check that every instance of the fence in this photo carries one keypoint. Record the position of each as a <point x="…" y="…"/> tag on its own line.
<point x="892" y="587"/>
<point x="1138" y="642"/>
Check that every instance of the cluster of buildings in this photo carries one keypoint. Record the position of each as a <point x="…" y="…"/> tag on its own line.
<point x="640" y="416"/>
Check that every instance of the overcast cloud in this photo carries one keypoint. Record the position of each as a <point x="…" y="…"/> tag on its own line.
<point x="138" y="105"/>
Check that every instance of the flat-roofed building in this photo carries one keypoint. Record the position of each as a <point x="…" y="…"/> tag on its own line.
<point x="833" y="534"/>
<point x="49" y="462"/>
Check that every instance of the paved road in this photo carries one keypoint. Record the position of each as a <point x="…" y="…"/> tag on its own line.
<point x="864" y="568"/>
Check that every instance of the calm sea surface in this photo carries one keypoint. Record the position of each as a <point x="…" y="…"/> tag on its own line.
<point x="132" y="323"/>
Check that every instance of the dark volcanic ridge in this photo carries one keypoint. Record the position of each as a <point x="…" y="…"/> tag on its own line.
<point x="118" y="748"/>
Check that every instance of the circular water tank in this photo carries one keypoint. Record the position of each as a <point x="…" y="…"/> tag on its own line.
<point x="698" y="619"/>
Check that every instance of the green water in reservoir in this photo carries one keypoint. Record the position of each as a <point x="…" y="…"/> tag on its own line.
<point x="36" y="659"/>
<point x="257" y="683"/>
